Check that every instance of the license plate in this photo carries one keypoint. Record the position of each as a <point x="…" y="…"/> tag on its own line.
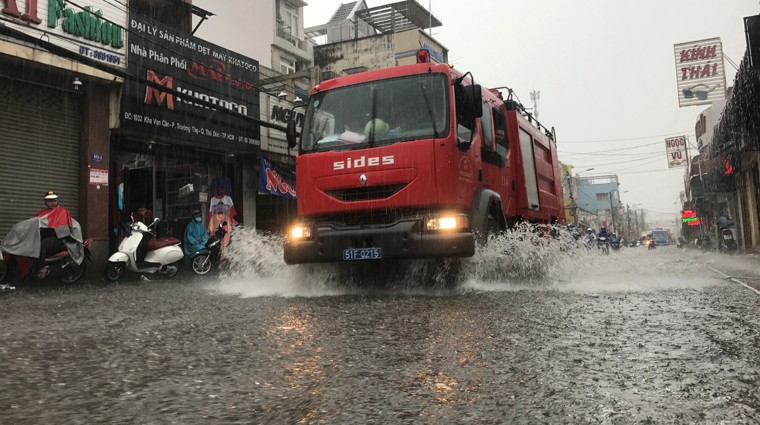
<point x="362" y="254"/>
<point x="726" y="237"/>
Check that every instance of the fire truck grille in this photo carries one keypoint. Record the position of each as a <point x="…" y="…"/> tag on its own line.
<point x="365" y="193"/>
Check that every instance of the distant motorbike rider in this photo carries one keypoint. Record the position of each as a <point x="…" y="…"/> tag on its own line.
<point x="603" y="233"/>
<point x="589" y="239"/>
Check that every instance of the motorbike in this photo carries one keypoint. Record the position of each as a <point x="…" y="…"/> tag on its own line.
<point x="727" y="242"/>
<point x="703" y="242"/>
<point x="61" y="266"/>
<point x="615" y="244"/>
<point x="204" y="259"/>
<point x="603" y="244"/>
<point x="162" y="258"/>
<point x="651" y="245"/>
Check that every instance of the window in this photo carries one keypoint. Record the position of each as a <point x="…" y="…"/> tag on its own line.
<point x="529" y="169"/>
<point x="287" y="65"/>
<point x="489" y="152"/>
<point x="500" y="134"/>
<point x="404" y="109"/>
<point x="485" y="123"/>
<point x="603" y="196"/>
<point x="290" y="19"/>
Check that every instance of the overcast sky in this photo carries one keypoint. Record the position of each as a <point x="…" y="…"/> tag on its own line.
<point x="604" y="68"/>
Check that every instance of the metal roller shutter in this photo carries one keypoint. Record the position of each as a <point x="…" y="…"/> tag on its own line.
<point x="39" y="150"/>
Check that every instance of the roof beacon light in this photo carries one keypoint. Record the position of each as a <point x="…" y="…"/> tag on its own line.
<point x="423" y="56"/>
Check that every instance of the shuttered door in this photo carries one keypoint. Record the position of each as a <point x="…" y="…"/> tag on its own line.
<point x="39" y="150"/>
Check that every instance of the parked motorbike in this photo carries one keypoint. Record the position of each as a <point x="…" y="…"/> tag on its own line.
<point x="727" y="242"/>
<point x="60" y="265"/>
<point x="603" y="244"/>
<point x="703" y="242"/>
<point x="203" y="260"/>
<point x="162" y="258"/>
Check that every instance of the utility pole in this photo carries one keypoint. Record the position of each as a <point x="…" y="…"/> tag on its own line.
<point x="636" y="217"/>
<point x="612" y="211"/>
<point x="628" y="219"/>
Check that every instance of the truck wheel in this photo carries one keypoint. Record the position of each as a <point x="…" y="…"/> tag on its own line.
<point x="491" y="229"/>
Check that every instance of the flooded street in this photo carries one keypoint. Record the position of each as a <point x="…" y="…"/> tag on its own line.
<point x="634" y="337"/>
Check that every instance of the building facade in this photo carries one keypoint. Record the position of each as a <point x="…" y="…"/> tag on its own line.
<point x="59" y="89"/>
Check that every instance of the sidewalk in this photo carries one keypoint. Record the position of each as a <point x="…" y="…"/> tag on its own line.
<point x="742" y="267"/>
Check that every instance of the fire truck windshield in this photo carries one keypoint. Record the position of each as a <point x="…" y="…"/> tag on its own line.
<point x="377" y="113"/>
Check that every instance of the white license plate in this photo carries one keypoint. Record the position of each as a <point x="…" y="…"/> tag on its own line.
<point x="727" y="238"/>
<point x="362" y="254"/>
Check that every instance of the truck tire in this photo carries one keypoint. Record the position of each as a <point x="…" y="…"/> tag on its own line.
<point x="490" y="229"/>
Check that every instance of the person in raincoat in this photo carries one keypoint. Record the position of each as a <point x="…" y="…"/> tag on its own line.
<point x="51" y="230"/>
<point x="53" y="238"/>
<point x="219" y="217"/>
<point x="195" y="235"/>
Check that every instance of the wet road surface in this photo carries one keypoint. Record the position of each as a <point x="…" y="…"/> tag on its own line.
<point x="636" y="337"/>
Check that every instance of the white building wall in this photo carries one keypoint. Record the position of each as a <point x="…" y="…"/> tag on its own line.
<point x="243" y="26"/>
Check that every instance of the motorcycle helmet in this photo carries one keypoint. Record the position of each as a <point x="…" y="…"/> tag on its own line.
<point x="51" y="196"/>
<point x="589" y="230"/>
<point x="603" y="228"/>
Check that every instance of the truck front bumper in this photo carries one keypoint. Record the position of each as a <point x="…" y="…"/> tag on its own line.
<point x="402" y="239"/>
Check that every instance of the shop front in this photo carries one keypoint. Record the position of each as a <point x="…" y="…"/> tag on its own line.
<point x="189" y="134"/>
<point x="276" y="199"/>
<point x="57" y="83"/>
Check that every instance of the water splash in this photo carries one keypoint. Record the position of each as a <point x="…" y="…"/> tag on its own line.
<point x="519" y="258"/>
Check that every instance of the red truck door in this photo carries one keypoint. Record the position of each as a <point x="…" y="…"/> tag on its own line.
<point x="497" y="173"/>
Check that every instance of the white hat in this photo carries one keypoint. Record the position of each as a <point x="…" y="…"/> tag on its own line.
<point x="50" y="196"/>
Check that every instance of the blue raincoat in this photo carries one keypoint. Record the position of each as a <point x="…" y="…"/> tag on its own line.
<point x="195" y="237"/>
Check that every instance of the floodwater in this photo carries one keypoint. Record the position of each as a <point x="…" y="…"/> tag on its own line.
<point x="521" y="333"/>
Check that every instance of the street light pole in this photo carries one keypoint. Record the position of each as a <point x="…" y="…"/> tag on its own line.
<point x="612" y="211"/>
<point x="574" y="204"/>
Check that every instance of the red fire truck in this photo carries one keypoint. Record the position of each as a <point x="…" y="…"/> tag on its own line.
<point x="416" y="161"/>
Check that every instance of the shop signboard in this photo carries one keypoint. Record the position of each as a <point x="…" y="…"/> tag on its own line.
<point x="211" y="99"/>
<point x="675" y="149"/>
<point x="700" y="73"/>
<point x="280" y="112"/>
<point x="275" y="180"/>
<point x="90" y="28"/>
<point x="690" y="218"/>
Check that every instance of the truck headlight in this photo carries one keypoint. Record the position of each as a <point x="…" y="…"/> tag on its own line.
<point x="446" y="222"/>
<point x="300" y="231"/>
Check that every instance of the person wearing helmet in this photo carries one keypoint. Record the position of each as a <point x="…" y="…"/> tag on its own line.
<point x="589" y="239"/>
<point x="603" y="233"/>
<point x="55" y="227"/>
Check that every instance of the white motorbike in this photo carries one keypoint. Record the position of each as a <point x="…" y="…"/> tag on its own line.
<point x="163" y="254"/>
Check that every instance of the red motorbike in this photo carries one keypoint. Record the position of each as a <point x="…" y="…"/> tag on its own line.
<point x="60" y="265"/>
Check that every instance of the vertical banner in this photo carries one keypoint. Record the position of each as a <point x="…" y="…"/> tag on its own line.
<point x="275" y="180"/>
<point x="700" y="72"/>
<point x="675" y="148"/>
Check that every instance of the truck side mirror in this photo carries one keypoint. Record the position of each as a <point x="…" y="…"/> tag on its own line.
<point x="290" y="133"/>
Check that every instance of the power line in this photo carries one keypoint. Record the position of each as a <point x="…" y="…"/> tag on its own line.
<point x="630" y="138"/>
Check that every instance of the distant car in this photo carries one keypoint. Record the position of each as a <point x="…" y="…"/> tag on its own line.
<point x="633" y="244"/>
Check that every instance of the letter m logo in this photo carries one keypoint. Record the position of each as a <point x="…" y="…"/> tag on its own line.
<point x="151" y="92"/>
